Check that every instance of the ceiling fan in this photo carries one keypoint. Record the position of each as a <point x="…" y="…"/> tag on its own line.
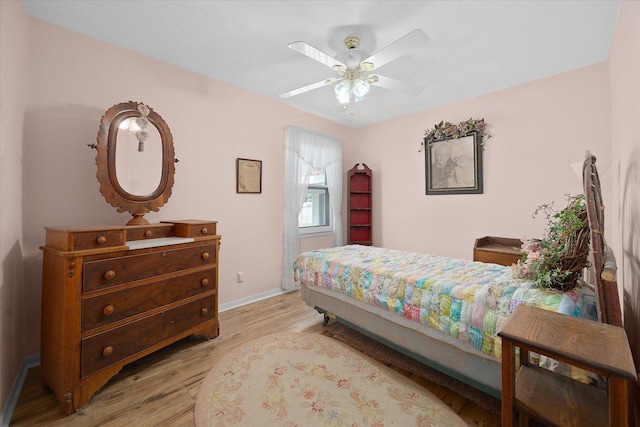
<point x="356" y="70"/>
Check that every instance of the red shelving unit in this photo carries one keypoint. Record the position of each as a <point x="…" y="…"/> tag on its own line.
<point x="359" y="205"/>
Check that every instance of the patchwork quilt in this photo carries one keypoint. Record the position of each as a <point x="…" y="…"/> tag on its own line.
<point x="468" y="300"/>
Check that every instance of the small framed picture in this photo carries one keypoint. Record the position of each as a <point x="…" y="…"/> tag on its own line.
<point x="248" y="176"/>
<point x="454" y="166"/>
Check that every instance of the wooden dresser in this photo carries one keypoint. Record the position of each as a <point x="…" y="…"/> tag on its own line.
<point x="111" y="295"/>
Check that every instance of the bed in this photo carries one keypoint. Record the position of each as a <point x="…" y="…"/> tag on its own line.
<point x="446" y="312"/>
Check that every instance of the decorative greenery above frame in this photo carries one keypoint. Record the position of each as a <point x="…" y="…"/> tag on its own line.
<point x="448" y="130"/>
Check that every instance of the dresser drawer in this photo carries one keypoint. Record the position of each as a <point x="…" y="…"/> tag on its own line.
<point x="111" y="347"/>
<point x="149" y="231"/>
<point x="83" y="239"/>
<point x="104" y="273"/>
<point x="194" y="228"/>
<point x="108" y="308"/>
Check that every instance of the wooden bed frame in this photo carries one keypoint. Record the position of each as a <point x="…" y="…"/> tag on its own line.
<point x="603" y="261"/>
<point x="437" y="350"/>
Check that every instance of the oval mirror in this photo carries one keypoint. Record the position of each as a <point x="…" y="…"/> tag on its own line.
<point x="135" y="159"/>
<point x="138" y="163"/>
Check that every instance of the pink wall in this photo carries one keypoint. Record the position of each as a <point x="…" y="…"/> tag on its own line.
<point x="15" y="300"/>
<point x="624" y="62"/>
<point x="538" y="129"/>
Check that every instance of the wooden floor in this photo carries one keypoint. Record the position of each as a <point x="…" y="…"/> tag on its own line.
<point x="160" y="389"/>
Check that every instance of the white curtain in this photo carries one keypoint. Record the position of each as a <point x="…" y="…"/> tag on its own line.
<point x="305" y="150"/>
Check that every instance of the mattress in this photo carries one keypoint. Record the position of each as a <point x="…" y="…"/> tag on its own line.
<point x="467" y="301"/>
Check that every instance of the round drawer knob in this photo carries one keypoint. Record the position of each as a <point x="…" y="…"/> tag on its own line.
<point x="204" y="311"/>
<point x="148" y="233"/>
<point x="205" y="282"/>
<point x="101" y="240"/>
<point x="204" y="230"/>
<point x="205" y="255"/>
<point x="107" y="351"/>
<point x="108" y="310"/>
<point x="109" y="275"/>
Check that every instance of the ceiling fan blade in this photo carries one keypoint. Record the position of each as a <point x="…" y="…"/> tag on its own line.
<point x="397" y="85"/>
<point x="307" y="88"/>
<point x="407" y="44"/>
<point x="313" y="53"/>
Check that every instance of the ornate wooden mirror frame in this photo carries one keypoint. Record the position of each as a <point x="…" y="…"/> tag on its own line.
<point x="110" y="186"/>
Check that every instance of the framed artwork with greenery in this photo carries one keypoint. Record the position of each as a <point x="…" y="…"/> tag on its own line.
<point x="454" y="165"/>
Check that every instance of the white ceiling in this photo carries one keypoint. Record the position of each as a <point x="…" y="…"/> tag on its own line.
<point x="476" y="47"/>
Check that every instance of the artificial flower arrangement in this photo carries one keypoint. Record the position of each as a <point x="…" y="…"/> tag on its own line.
<point x="448" y="130"/>
<point x="557" y="260"/>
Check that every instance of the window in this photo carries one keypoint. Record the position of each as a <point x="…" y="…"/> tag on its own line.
<point x="316" y="213"/>
<point x="304" y="149"/>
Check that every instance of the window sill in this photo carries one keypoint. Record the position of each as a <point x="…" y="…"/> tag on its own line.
<point x="318" y="234"/>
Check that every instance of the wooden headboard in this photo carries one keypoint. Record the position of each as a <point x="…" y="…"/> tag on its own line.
<point x="604" y="263"/>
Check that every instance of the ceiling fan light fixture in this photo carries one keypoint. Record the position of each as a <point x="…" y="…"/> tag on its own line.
<point x="354" y="67"/>
<point x="367" y="66"/>
<point x="360" y="89"/>
<point x="343" y="91"/>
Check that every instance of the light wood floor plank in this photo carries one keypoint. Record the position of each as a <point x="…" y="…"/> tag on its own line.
<point x="160" y="389"/>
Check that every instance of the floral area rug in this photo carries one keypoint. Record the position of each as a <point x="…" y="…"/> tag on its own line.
<point x="302" y="379"/>
<point x="388" y="356"/>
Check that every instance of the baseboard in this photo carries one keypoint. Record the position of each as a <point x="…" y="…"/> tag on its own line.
<point x="10" y="404"/>
<point x="251" y="299"/>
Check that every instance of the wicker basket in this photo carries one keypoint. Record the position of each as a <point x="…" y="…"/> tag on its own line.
<point x="557" y="261"/>
<point x="576" y="257"/>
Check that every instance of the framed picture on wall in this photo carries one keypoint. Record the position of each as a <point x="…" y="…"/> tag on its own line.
<point x="454" y="166"/>
<point x="248" y="176"/>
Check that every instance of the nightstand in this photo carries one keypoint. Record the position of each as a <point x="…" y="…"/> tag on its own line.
<point x="556" y="399"/>
<point x="497" y="250"/>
